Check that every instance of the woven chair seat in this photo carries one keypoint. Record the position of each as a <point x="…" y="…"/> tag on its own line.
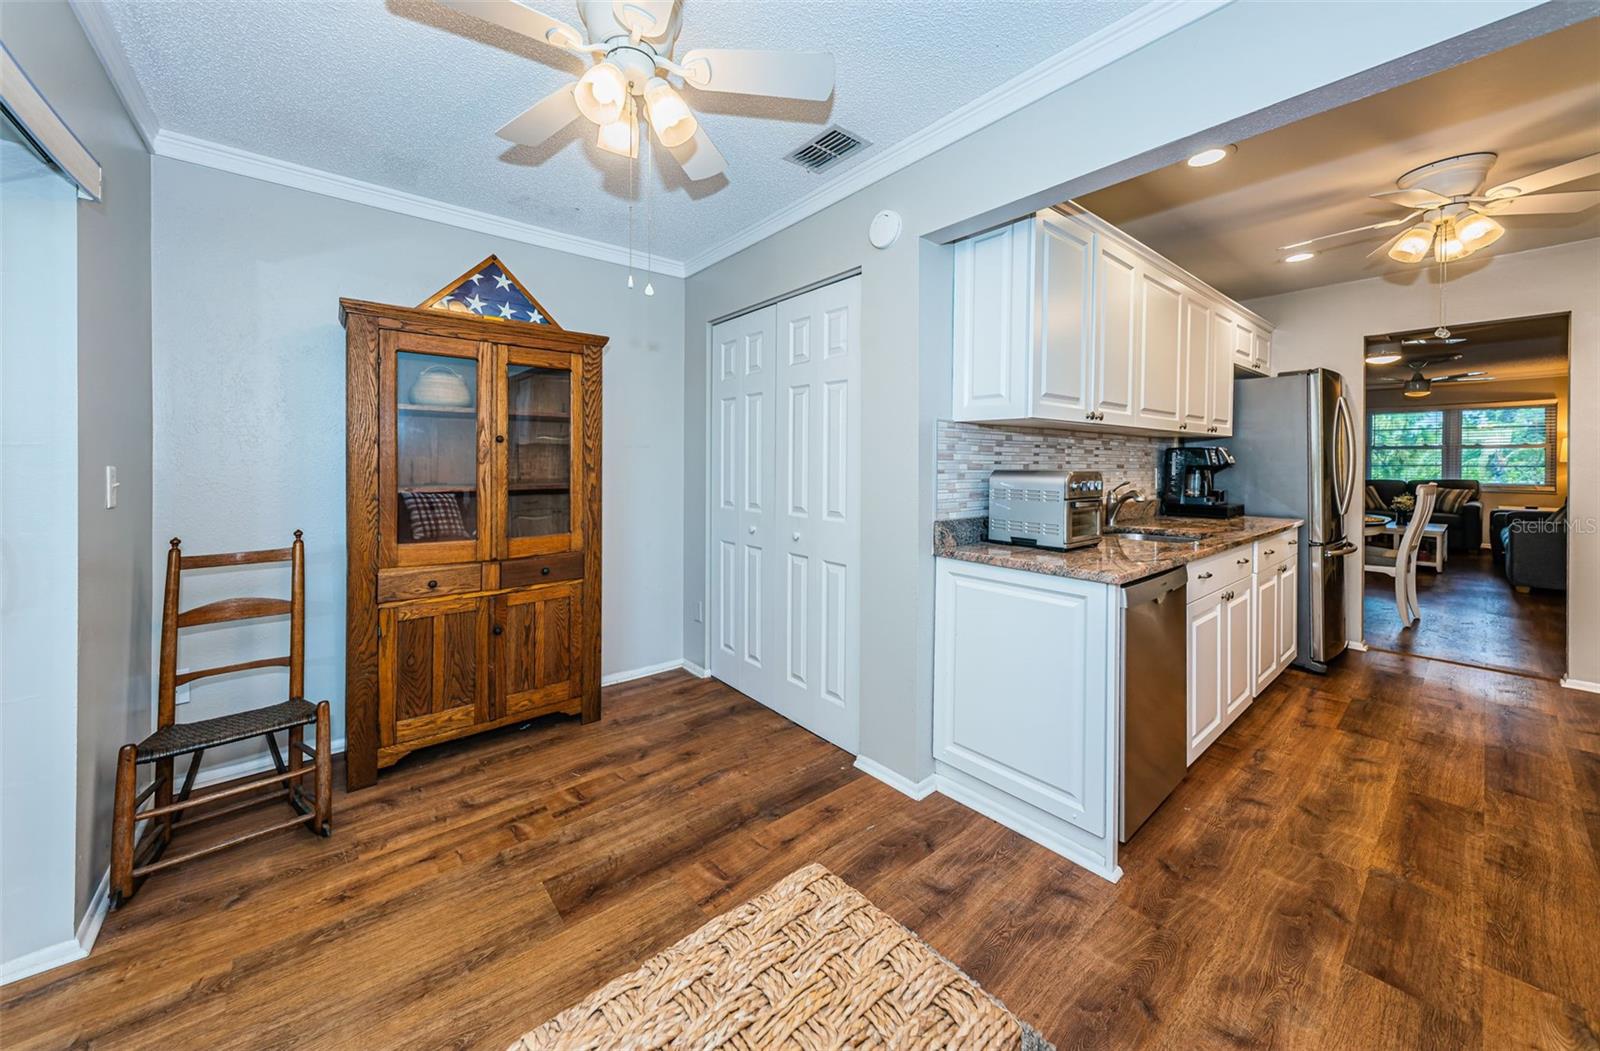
<point x="183" y="738"/>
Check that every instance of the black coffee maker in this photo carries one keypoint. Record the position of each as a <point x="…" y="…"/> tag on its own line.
<point x="1188" y="484"/>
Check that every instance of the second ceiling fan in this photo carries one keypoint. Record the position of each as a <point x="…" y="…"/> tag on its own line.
<point x="629" y="44"/>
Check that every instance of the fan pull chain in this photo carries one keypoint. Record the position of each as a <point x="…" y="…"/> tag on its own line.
<point x="650" y="221"/>
<point x="632" y="162"/>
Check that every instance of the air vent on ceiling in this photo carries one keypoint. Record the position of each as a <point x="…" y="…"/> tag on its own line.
<point x="828" y="149"/>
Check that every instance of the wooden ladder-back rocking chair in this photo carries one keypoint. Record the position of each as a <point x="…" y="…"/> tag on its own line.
<point x="131" y="861"/>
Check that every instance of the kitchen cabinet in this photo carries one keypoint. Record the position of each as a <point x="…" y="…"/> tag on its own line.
<point x="1063" y="319"/>
<point x="1268" y="593"/>
<point x="1221" y="680"/>
<point x="1026" y="703"/>
<point x="1277" y="606"/>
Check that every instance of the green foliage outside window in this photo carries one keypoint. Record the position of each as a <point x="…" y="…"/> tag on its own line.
<point x="1511" y="446"/>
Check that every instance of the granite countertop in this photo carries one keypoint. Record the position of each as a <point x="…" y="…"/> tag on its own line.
<point x="1115" y="560"/>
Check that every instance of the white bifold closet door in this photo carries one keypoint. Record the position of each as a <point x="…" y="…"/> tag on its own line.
<point x="785" y="496"/>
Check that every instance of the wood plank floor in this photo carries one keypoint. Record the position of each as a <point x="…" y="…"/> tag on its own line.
<point x="1404" y="853"/>
<point x="1472" y="615"/>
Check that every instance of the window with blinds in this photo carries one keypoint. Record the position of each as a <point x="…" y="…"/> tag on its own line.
<point x="1504" y="446"/>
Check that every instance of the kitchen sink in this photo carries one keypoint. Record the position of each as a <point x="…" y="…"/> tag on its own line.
<point x="1155" y="537"/>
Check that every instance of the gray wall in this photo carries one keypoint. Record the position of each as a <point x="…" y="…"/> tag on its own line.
<point x="1152" y="107"/>
<point x="1326" y="327"/>
<point x="250" y="408"/>
<point x="113" y="413"/>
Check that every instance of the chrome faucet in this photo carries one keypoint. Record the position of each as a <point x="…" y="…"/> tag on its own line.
<point x="1116" y="498"/>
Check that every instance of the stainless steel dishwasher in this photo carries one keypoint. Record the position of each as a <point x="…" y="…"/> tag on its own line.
<point x="1154" y="721"/>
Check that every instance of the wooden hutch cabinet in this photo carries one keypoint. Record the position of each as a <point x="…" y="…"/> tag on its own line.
<point x="473" y="475"/>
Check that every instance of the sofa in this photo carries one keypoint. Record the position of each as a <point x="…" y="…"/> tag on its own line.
<point x="1531" y="546"/>
<point x="1464" y="527"/>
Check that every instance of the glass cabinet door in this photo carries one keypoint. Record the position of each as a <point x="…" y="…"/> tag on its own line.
<point x="539" y="446"/>
<point x="433" y="470"/>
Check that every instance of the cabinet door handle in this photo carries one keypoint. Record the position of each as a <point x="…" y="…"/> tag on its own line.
<point x="1294" y="543"/>
<point x="499" y="439"/>
<point x="1241" y="562"/>
<point x="1271" y="551"/>
<point x="1204" y="576"/>
<point x="1183" y="426"/>
<point x="752" y="530"/>
<point x="498" y="629"/>
<point x="432" y="584"/>
<point x="1283" y="568"/>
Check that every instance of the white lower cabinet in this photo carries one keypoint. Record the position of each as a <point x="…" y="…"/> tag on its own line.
<point x="1243" y="616"/>
<point x="1025" y="721"/>
<point x="1221" y="682"/>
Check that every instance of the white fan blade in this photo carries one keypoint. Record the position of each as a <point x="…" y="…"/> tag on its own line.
<point x="782" y="74"/>
<point x="1544" y="203"/>
<point x="1357" y="230"/>
<point x="542" y="119"/>
<point x="1561" y="173"/>
<point x="1414" y="198"/>
<point x="519" y="18"/>
<point x="698" y="158"/>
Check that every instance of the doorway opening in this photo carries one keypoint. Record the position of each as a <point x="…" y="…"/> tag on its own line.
<point x="1481" y="411"/>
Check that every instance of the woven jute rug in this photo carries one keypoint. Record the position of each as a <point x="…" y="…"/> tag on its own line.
<point x="809" y="964"/>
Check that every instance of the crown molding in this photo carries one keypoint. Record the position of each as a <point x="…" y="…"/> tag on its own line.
<point x="206" y="153"/>
<point x="1123" y="37"/>
<point x="107" y="46"/>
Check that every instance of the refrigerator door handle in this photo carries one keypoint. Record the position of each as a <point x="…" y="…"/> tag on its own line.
<point x="1344" y="438"/>
<point x="1340" y="549"/>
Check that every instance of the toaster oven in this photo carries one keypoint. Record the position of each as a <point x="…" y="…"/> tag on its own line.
<point x="1056" y="509"/>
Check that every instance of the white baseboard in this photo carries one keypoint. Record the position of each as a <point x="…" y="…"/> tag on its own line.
<point x="95" y="915"/>
<point x="1359" y="647"/>
<point x="39" y="960"/>
<point x="905" y="786"/>
<point x="1017" y="819"/>
<point x="653" y="669"/>
<point x="254" y="764"/>
<point x="1580" y="684"/>
<point x="64" y="952"/>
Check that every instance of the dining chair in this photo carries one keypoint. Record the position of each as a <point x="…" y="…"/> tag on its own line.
<point x="1400" y="562"/>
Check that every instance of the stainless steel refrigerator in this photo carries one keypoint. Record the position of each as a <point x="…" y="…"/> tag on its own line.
<point x="1294" y="443"/>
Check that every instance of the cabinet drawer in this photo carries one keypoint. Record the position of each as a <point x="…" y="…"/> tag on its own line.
<point x="543" y="569"/>
<point x="398" y="585"/>
<point x="1276" y="550"/>
<point x="1215" y="572"/>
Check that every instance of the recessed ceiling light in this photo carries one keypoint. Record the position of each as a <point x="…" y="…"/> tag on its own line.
<point x="1205" y="158"/>
<point x="1299" y="257"/>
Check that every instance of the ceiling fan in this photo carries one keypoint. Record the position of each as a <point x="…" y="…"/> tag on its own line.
<point x="1455" y="218"/>
<point x="629" y="44"/>
<point x="1420" y="386"/>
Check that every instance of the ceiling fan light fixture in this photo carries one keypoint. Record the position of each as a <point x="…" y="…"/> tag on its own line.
<point x="602" y="93"/>
<point x="620" y="137"/>
<point x="1383" y="354"/>
<point x="1206" y="158"/>
<point x="1447" y="243"/>
<point x="1413" y="244"/>
<point x="1417" y="386"/>
<point x="669" y="115"/>
<point x="1479" y="231"/>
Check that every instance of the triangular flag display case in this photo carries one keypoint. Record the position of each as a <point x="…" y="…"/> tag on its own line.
<point x="492" y="291"/>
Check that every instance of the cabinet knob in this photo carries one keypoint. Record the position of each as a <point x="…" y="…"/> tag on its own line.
<point x="1241" y="562"/>
<point x="499" y="439"/>
<point x="795" y="537"/>
<point x="1271" y="551"/>
<point x="752" y="530"/>
<point x="498" y="629"/>
<point x="1283" y="568"/>
<point x="1183" y="426"/>
<point x="1204" y="576"/>
<point x="432" y="584"/>
<point x="544" y="571"/>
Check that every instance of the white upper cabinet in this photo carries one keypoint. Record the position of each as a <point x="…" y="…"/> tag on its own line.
<point x="1116" y="278"/>
<point x="1196" y="375"/>
<point x="1061" y="318"/>
<point x="1160" y="356"/>
<point x="1064" y="286"/>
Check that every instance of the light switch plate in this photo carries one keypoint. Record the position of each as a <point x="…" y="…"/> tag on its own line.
<point x="111" y="487"/>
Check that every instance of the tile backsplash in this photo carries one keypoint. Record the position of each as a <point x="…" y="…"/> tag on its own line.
<point x="967" y="453"/>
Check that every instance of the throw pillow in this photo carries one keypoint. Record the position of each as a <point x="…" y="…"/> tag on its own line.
<point x="1451" y="501"/>
<point x="1374" y="501"/>
<point x="435" y="516"/>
